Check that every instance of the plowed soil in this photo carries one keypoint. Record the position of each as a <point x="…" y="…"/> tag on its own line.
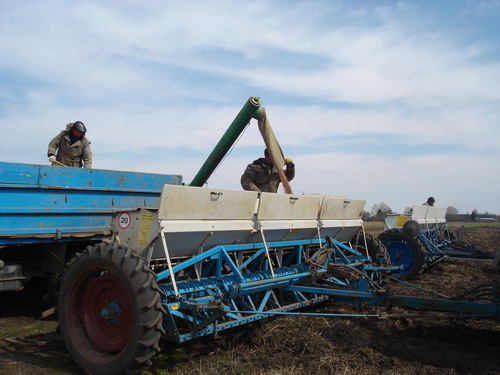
<point x="303" y="344"/>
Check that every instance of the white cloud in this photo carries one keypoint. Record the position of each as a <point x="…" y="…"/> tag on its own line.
<point x="158" y="82"/>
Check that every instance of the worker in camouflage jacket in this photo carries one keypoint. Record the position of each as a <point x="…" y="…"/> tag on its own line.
<point x="71" y="148"/>
<point x="260" y="176"/>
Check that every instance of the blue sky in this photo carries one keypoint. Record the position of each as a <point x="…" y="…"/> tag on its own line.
<point x="388" y="101"/>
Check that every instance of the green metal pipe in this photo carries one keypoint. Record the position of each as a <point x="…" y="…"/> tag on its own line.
<point x="250" y="110"/>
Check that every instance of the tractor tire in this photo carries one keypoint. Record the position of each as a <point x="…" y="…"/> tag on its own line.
<point x="404" y="251"/>
<point x="110" y="311"/>
<point x="411" y="228"/>
<point x="376" y="249"/>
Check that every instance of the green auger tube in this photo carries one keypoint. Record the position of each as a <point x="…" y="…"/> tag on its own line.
<point x="250" y="110"/>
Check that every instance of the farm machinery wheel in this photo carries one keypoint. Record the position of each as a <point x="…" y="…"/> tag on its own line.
<point x="110" y="311"/>
<point x="376" y="249"/>
<point x="404" y="251"/>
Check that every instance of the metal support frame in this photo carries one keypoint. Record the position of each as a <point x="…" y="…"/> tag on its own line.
<point x="439" y="245"/>
<point x="240" y="277"/>
<point x="239" y="286"/>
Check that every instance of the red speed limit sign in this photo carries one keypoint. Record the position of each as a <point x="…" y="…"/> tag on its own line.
<point x="124" y="220"/>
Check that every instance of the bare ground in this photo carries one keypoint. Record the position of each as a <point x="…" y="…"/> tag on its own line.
<point x="300" y="344"/>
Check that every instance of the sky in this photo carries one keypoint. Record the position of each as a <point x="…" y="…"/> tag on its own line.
<point x="388" y="101"/>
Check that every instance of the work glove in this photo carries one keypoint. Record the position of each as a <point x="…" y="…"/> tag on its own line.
<point x="289" y="163"/>
<point x="52" y="159"/>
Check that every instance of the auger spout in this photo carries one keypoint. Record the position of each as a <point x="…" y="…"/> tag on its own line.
<point x="250" y="110"/>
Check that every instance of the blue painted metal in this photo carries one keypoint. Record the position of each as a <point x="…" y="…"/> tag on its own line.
<point x="42" y="204"/>
<point x="433" y="304"/>
<point x="241" y="280"/>
<point x="402" y="255"/>
<point x="231" y="293"/>
<point x="111" y="313"/>
<point x="439" y="243"/>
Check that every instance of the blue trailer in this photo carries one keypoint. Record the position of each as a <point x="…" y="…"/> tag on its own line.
<point x="48" y="214"/>
<point x="147" y="258"/>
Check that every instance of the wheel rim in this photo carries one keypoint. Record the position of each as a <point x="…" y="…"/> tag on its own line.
<point x="401" y="254"/>
<point x="102" y="311"/>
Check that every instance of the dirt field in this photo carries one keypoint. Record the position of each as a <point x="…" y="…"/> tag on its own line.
<point x="303" y="345"/>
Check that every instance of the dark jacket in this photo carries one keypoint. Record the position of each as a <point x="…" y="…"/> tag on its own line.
<point x="70" y="152"/>
<point x="259" y="176"/>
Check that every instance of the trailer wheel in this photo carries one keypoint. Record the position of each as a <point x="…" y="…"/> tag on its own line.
<point x="110" y="311"/>
<point x="404" y="251"/>
<point x="376" y="249"/>
<point x="411" y="228"/>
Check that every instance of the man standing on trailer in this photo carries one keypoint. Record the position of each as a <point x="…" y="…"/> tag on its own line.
<point x="260" y="175"/>
<point x="71" y="148"/>
<point x="430" y="201"/>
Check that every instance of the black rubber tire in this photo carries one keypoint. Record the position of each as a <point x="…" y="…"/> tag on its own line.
<point x="411" y="228"/>
<point x="53" y="287"/>
<point x="96" y="342"/>
<point x="376" y="249"/>
<point x="406" y="251"/>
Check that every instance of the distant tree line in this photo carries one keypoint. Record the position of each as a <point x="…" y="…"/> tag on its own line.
<point x="484" y="217"/>
<point x="380" y="210"/>
<point x="378" y="213"/>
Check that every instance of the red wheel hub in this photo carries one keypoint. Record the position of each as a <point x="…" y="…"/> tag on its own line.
<point x="102" y="307"/>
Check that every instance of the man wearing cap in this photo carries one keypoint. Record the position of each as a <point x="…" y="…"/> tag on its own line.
<point x="430" y="201"/>
<point x="260" y="176"/>
<point x="71" y="148"/>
